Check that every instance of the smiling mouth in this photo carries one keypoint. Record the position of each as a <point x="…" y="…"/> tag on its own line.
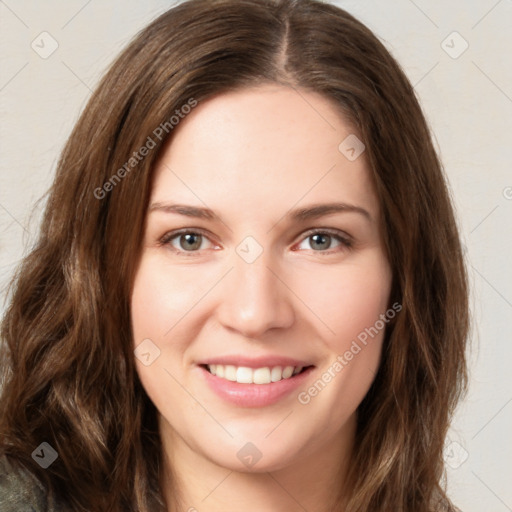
<point x="245" y="375"/>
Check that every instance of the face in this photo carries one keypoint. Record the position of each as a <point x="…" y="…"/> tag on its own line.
<point x="258" y="315"/>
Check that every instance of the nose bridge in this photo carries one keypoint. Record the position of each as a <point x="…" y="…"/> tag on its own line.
<point x="254" y="300"/>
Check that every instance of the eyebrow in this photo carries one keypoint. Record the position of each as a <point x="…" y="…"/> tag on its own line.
<point x="300" y="214"/>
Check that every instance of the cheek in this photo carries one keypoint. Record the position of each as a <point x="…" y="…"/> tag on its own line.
<point x="154" y="313"/>
<point x="352" y="301"/>
<point x="164" y="309"/>
<point x="160" y="297"/>
<point x="346" y="299"/>
<point x="349" y="298"/>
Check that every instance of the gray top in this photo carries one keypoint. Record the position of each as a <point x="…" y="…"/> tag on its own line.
<point x="21" y="491"/>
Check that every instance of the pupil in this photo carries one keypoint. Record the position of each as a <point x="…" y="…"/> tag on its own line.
<point x="320" y="244"/>
<point x="190" y="244"/>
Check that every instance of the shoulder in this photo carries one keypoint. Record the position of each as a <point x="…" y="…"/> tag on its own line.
<point x="20" y="490"/>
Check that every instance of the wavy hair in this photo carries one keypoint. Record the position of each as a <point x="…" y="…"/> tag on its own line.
<point x="68" y="370"/>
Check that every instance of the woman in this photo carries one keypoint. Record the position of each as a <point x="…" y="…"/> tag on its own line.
<point x="248" y="291"/>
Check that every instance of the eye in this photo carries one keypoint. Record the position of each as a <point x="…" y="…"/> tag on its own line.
<point x="185" y="241"/>
<point x="321" y="240"/>
<point x="192" y="241"/>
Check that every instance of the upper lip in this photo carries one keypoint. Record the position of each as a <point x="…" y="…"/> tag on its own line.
<point x="255" y="362"/>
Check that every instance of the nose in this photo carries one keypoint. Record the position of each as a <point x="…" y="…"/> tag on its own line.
<point x="255" y="298"/>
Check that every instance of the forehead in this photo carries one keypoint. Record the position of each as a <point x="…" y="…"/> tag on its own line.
<point x="271" y="145"/>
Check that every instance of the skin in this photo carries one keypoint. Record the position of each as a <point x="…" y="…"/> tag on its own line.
<point x="251" y="156"/>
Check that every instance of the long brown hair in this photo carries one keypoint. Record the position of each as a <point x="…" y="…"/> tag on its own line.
<point x="69" y="375"/>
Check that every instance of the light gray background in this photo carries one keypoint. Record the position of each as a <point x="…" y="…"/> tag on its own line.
<point x="468" y="102"/>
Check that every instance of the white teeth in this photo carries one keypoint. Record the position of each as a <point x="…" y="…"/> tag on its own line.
<point x="261" y="376"/>
<point x="287" y="372"/>
<point x="245" y="375"/>
<point x="277" y="373"/>
<point x="230" y="373"/>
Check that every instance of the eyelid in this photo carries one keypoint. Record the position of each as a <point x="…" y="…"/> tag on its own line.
<point x="344" y="238"/>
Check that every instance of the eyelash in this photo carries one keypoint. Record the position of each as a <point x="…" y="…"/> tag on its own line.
<point x="165" y="240"/>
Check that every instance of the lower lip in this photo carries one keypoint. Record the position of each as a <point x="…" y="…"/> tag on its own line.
<point x="254" y="395"/>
